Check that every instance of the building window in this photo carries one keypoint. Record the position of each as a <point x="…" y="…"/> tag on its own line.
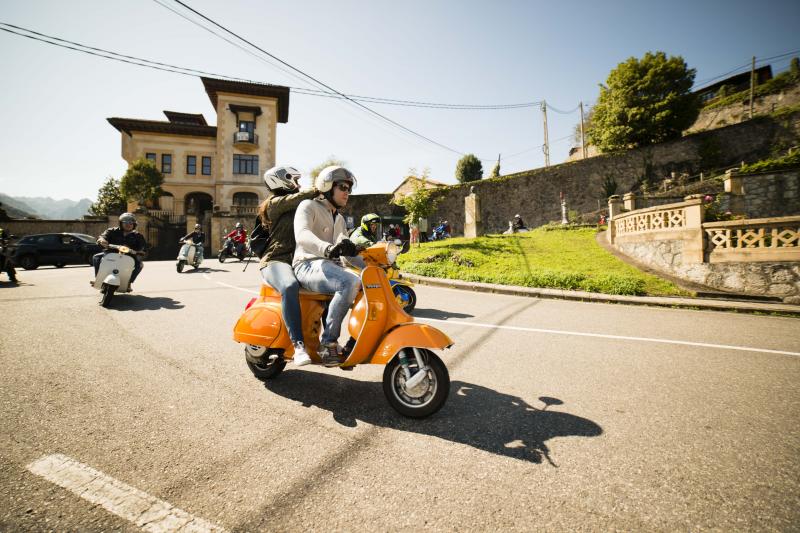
<point x="166" y="163"/>
<point x="191" y="164"/>
<point x="151" y="156"/>
<point x="206" y="165"/>
<point x="245" y="199"/>
<point x="245" y="164"/>
<point x="247" y="125"/>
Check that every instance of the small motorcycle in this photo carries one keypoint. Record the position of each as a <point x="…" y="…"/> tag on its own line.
<point x="114" y="274"/>
<point x="415" y="380"/>
<point x="229" y="250"/>
<point x="189" y="255"/>
<point x="439" y="233"/>
<point x="6" y="263"/>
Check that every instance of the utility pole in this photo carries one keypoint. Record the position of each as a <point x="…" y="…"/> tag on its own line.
<point x="583" y="138"/>
<point x="546" y="147"/>
<point x="752" y="84"/>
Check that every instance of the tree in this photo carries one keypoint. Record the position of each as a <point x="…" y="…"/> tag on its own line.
<point x="469" y="168"/>
<point x="644" y="101"/>
<point x="329" y="162"/>
<point x="588" y="114"/>
<point x="794" y="68"/>
<point x="495" y="170"/>
<point x="421" y="202"/>
<point x="142" y="182"/>
<point x="110" y="200"/>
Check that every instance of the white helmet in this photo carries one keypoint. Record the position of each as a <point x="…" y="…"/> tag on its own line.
<point x="127" y="217"/>
<point x="333" y="174"/>
<point x="282" y="180"/>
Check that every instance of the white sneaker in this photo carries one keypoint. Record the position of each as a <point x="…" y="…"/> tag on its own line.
<point x="301" y="357"/>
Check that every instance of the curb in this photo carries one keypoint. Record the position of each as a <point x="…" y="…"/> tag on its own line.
<point x="581" y="296"/>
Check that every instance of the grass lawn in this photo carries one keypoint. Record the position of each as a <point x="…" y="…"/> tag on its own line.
<point x="558" y="259"/>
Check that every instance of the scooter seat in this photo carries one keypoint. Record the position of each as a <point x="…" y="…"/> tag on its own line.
<point x="269" y="290"/>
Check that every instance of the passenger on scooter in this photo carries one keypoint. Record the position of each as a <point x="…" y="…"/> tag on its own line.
<point x="367" y="233"/>
<point x="198" y="237"/>
<point x="123" y="235"/>
<point x="239" y="237"/>
<point x="321" y="235"/>
<point x="277" y="213"/>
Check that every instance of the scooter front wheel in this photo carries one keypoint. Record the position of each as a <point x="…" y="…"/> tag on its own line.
<point x="406" y="297"/>
<point x="428" y="396"/>
<point x="180" y="265"/>
<point x="260" y="364"/>
<point x="222" y="256"/>
<point x="106" y="294"/>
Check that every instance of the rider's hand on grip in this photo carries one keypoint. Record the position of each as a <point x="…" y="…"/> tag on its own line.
<point x="345" y="247"/>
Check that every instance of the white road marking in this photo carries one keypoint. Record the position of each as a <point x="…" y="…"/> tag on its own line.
<point x="604" y="336"/>
<point x="147" y="512"/>
<point x="228" y="285"/>
<point x="575" y="333"/>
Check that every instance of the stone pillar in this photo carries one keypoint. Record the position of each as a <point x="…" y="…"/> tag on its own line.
<point x="473" y="225"/>
<point x="614" y="210"/>
<point x="694" y="241"/>
<point x="734" y="186"/>
<point x="630" y="201"/>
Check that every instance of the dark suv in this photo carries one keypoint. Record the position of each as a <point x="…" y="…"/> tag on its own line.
<point x="57" y="249"/>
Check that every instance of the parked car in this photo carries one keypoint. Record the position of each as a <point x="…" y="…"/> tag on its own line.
<point x="59" y="249"/>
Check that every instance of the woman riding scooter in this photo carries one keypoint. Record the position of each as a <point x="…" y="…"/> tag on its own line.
<point x="277" y="213"/>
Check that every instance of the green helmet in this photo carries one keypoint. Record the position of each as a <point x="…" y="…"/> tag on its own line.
<point x="368" y="219"/>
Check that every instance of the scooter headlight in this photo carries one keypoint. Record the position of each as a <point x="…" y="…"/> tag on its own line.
<point x="124" y="249"/>
<point x="391" y="252"/>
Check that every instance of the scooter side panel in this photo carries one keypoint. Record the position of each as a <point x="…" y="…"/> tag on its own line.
<point x="110" y="262"/>
<point x="261" y="325"/>
<point x="407" y="336"/>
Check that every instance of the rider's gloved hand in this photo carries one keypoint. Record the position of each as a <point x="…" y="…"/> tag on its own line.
<point x="345" y="247"/>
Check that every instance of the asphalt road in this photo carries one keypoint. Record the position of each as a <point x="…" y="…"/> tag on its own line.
<point x="562" y="416"/>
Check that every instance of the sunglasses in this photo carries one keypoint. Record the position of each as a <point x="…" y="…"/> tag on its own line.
<point x="344" y="187"/>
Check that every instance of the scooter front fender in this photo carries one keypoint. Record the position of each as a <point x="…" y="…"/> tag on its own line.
<point x="409" y="336"/>
<point x="112" y="279"/>
<point x="260" y="325"/>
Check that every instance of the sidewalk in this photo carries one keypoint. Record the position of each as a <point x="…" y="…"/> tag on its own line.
<point x="715" y="304"/>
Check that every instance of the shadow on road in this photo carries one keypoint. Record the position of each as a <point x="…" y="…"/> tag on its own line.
<point x="203" y="270"/>
<point x="473" y="415"/>
<point x="438" y="314"/>
<point x="138" y="302"/>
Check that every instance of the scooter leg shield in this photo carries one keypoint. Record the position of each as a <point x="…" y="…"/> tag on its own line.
<point x="409" y="335"/>
<point x="261" y="325"/>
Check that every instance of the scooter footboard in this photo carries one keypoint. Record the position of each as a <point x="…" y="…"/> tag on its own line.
<point x="409" y="335"/>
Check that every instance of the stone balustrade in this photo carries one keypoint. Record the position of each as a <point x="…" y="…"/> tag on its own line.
<point x="764" y="239"/>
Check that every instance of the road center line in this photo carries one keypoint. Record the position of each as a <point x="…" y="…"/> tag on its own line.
<point x="574" y="333"/>
<point x="604" y="336"/>
<point x="147" y="512"/>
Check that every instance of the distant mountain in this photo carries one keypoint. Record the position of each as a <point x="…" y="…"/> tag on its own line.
<point x="48" y="208"/>
<point x="15" y="208"/>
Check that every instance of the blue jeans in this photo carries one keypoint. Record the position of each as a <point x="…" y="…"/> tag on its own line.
<point x="137" y="265"/>
<point x="281" y="277"/>
<point x="326" y="277"/>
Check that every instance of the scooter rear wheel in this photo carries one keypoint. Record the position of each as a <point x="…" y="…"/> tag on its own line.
<point x="259" y="363"/>
<point x="427" y="397"/>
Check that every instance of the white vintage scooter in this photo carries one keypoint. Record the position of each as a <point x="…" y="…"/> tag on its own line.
<point x="189" y="255"/>
<point x="114" y="274"/>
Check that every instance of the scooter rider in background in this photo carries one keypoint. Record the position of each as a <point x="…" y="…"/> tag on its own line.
<point x="239" y="237"/>
<point x="5" y="261"/>
<point x="277" y="213"/>
<point x="367" y="233"/>
<point x="124" y="235"/>
<point x="198" y="237"/>
<point x="321" y="235"/>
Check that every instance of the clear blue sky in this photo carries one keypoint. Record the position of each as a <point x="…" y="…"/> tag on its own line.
<point x="55" y="141"/>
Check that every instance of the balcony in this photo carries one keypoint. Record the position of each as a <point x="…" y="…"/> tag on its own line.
<point x="244" y="210"/>
<point x="245" y="141"/>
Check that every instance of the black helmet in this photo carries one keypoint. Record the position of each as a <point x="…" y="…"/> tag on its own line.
<point x="282" y="180"/>
<point x="127" y="217"/>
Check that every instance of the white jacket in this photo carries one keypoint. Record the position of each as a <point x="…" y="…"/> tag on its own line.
<point x="315" y="228"/>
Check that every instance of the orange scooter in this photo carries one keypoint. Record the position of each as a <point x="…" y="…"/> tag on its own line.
<point x="415" y="381"/>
